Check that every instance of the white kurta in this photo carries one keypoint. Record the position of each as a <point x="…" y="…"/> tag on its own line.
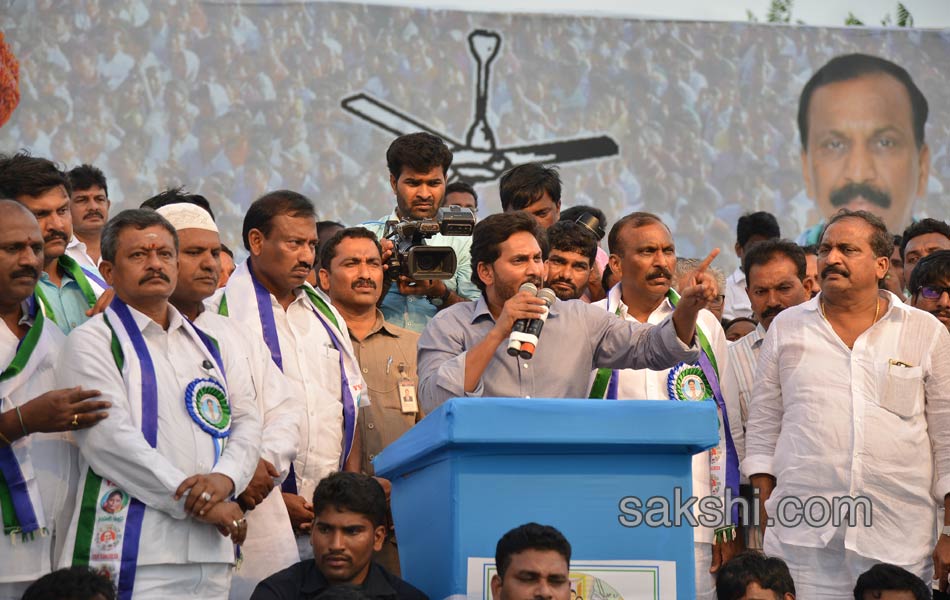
<point x="645" y="384"/>
<point x="871" y="421"/>
<point x="270" y="545"/>
<point x="117" y="450"/>
<point x="53" y="457"/>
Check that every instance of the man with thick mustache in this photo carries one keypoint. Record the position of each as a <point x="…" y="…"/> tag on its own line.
<point x="34" y="416"/>
<point x="774" y="272"/>
<point x="930" y="285"/>
<point x="573" y="250"/>
<point x="67" y="291"/>
<point x="643" y="254"/>
<point x="852" y="398"/>
<point x="861" y="121"/>
<point x="463" y="351"/>
<point x="268" y="296"/>
<point x="183" y="435"/>
<point x="89" y="206"/>
<point x="352" y="271"/>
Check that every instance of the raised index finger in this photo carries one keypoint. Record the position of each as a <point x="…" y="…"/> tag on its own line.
<point x="708" y="261"/>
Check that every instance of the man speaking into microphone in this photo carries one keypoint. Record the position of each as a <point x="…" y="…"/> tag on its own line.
<point x="464" y="349"/>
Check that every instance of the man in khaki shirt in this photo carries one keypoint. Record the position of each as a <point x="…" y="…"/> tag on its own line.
<point x="352" y="271"/>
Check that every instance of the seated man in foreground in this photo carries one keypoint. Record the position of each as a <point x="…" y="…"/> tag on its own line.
<point x="348" y="526"/>
<point x="463" y="351"/>
<point x="533" y="561"/>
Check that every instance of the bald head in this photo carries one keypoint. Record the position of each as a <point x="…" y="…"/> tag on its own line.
<point x="21" y="254"/>
<point x="11" y="208"/>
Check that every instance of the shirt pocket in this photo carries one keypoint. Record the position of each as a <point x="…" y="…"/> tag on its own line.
<point x="903" y="390"/>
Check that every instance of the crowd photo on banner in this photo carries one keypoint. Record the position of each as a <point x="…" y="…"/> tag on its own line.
<point x="246" y="250"/>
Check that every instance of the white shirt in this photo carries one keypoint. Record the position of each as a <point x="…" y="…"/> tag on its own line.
<point x="78" y="251"/>
<point x="312" y="366"/>
<point x="53" y="456"/>
<point x="737" y="303"/>
<point x="276" y="405"/>
<point x="646" y="384"/>
<point x="117" y="450"/>
<point x="741" y="375"/>
<point x="270" y="545"/>
<point x="832" y="422"/>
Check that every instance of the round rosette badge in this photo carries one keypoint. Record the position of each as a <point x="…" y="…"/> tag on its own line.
<point x="207" y="403"/>
<point x="687" y="382"/>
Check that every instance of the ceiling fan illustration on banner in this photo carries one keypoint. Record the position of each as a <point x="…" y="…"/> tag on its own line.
<point x="479" y="159"/>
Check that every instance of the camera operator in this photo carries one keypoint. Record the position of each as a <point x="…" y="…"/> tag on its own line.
<point x="417" y="170"/>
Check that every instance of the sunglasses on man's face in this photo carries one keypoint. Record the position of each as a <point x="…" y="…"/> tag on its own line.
<point x="932" y="292"/>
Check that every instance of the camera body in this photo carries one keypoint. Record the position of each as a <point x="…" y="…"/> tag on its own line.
<point x="416" y="260"/>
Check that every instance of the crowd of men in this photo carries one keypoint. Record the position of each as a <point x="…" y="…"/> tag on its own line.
<point x="162" y="406"/>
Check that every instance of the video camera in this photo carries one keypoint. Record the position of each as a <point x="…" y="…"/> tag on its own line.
<point x="413" y="258"/>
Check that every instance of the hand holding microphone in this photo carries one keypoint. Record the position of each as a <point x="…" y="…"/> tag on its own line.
<point x="523" y="339"/>
<point x="521" y="325"/>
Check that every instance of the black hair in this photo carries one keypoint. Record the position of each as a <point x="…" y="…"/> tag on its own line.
<point x="605" y="279"/>
<point x="810" y="249"/>
<point x="923" y="227"/>
<point x="765" y="251"/>
<point x="727" y="323"/>
<point x="419" y="151"/>
<point x="73" y="583"/>
<point x="882" y="244"/>
<point x="575" y="212"/>
<point x="884" y="576"/>
<point x="747" y="567"/>
<point x="463" y="187"/>
<point x="352" y="492"/>
<point x="25" y="175"/>
<point x="530" y="536"/>
<point x="759" y="223"/>
<point x="227" y="250"/>
<point x="634" y="220"/>
<point x="328" y="248"/>
<point x="177" y="195"/>
<point x="490" y="233"/>
<point x="281" y="202"/>
<point x="522" y="185"/>
<point x="568" y="236"/>
<point x="134" y="217"/>
<point x="853" y="66"/>
<point x="86" y="176"/>
<point x="323" y="226"/>
<point x="930" y="270"/>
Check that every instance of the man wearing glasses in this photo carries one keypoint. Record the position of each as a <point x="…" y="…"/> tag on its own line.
<point x="930" y="285"/>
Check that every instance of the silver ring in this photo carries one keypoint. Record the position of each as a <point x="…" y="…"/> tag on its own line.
<point x="235" y="523"/>
<point x="205" y="496"/>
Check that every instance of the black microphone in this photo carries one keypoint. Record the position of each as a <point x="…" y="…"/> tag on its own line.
<point x="521" y="325"/>
<point x="533" y="332"/>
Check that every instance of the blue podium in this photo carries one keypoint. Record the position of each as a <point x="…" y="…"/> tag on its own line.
<point x="477" y="467"/>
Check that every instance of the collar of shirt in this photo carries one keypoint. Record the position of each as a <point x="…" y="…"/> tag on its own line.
<point x="374" y="586"/>
<point x="738" y="277"/>
<point x="480" y="310"/>
<point x="615" y="302"/>
<point x="66" y="278"/>
<point x="380" y="326"/>
<point x="175" y="320"/>
<point x="75" y="242"/>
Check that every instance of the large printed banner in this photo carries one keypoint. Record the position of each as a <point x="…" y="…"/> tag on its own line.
<point x="694" y="121"/>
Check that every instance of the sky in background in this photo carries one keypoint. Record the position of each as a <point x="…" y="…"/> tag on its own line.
<point x="926" y="13"/>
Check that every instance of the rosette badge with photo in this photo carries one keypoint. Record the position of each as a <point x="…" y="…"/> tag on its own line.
<point x="688" y="382"/>
<point x="207" y="403"/>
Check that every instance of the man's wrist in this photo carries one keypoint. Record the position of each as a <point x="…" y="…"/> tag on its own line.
<point x="439" y="300"/>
